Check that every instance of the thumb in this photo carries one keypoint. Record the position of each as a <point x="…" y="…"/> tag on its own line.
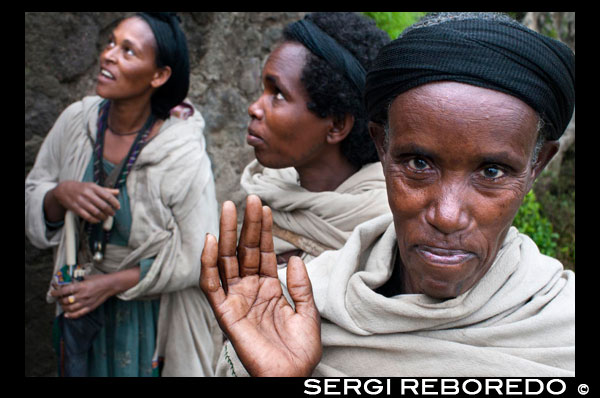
<point x="300" y="288"/>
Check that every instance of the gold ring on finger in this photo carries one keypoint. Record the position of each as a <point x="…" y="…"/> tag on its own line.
<point x="71" y="299"/>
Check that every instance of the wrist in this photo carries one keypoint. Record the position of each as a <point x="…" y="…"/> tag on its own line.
<point x="123" y="280"/>
<point x="53" y="210"/>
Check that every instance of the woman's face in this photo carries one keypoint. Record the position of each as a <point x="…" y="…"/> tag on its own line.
<point x="457" y="166"/>
<point x="128" y="62"/>
<point x="283" y="132"/>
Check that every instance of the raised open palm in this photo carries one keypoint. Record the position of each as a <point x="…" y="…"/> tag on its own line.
<point x="240" y="280"/>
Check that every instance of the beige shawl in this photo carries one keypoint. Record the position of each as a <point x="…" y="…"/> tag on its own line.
<point x="325" y="218"/>
<point x="173" y="206"/>
<point x="518" y="320"/>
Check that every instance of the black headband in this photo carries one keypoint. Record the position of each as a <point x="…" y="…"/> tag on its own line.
<point x="325" y="47"/>
<point x="173" y="52"/>
<point x="499" y="55"/>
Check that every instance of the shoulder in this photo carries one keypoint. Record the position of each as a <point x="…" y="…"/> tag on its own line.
<point x="70" y="124"/>
<point x="81" y="108"/>
<point x="77" y="114"/>
<point x="180" y="143"/>
<point x="188" y="129"/>
<point x="368" y="178"/>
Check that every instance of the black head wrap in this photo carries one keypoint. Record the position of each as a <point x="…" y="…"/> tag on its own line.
<point x="495" y="54"/>
<point x="327" y="48"/>
<point x="172" y="51"/>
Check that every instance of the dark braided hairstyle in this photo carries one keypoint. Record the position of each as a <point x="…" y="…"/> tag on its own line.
<point x="171" y="51"/>
<point x="333" y="94"/>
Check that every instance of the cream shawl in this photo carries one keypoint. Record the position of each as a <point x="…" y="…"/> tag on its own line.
<point x="325" y="217"/>
<point x="173" y="206"/>
<point x="518" y="320"/>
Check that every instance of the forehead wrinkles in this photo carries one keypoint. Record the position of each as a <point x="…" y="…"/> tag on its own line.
<point x="457" y="103"/>
<point x="288" y="56"/>
<point x="470" y="102"/>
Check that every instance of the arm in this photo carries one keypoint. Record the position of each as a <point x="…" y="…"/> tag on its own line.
<point x="88" y="200"/>
<point x="45" y="175"/>
<point x="48" y="194"/>
<point x="270" y="337"/>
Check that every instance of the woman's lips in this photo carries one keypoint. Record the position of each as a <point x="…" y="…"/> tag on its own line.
<point x="105" y="75"/>
<point x="440" y="256"/>
<point x="252" y="139"/>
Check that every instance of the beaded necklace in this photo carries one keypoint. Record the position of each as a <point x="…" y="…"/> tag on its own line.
<point x="99" y="235"/>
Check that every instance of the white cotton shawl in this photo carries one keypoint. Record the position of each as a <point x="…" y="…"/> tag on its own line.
<point x="173" y="206"/>
<point x="325" y="217"/>
<point x="518" y="320"/>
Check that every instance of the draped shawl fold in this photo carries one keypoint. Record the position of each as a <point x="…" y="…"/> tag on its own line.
<point x="173" y="206"/>
<point x="326" y="217"/>
<point x="518" y="320"/>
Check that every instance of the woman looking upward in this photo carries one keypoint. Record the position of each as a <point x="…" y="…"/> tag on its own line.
<point x="135" y="153"/>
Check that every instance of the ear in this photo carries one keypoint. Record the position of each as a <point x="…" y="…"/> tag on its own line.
<point x="549" y="149"/>
<point x="340" y="128"/>
<point x="161" y="76"/>
<point x="377" y="133"/>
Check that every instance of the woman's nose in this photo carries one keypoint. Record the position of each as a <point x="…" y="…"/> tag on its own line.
<point x="448" y="211"/>
<point x="108" y="55"/>
<point x="255" y="110"/>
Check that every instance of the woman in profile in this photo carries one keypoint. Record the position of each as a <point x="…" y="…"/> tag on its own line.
<point x="316" y="166"/>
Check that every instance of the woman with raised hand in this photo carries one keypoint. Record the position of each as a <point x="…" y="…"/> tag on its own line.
<point x="466" y="110"/>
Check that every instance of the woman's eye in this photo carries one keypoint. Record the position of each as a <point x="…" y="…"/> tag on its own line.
<point x="418" y="164"/>
<point x="279" y="97"/>
<point x="129" y="51"/>
<point x="492" y="172"/>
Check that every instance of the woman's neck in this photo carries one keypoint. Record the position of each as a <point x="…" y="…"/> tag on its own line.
<point x="327" y="174"/>
<point x="127" y="117"/>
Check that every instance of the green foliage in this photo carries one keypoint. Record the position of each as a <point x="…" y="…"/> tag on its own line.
<point x="531" y="222"/>
<point x="556" y="195"/>
<point x="394" y="22"/>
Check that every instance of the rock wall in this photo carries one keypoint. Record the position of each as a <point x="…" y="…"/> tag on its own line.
<point x="227" y="51"/>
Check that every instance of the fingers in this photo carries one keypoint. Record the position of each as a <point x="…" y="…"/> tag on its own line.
<point x="254" y="253"/>
<point x="70" y="305"/>
<point x="101" y="202"/>
<point x="63" y="290"/>
<point x="104" y="204"/>
<point x="76" y="310"/>
<point x="209" y="272"/>
<point x="249" y="246"/>
<point x="92" y="202"/>
<point x="109" y="195"/>
<point x="86" y="215"/>
<point x="78" y="313"/>
<point x="227" y="261"/>
<point x="300" y="288"/>
<point x="268" y="259"/>
<point x="70" y="301"/>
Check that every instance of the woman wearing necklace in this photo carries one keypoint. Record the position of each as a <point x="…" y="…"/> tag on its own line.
<point x="134" y="171"/>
